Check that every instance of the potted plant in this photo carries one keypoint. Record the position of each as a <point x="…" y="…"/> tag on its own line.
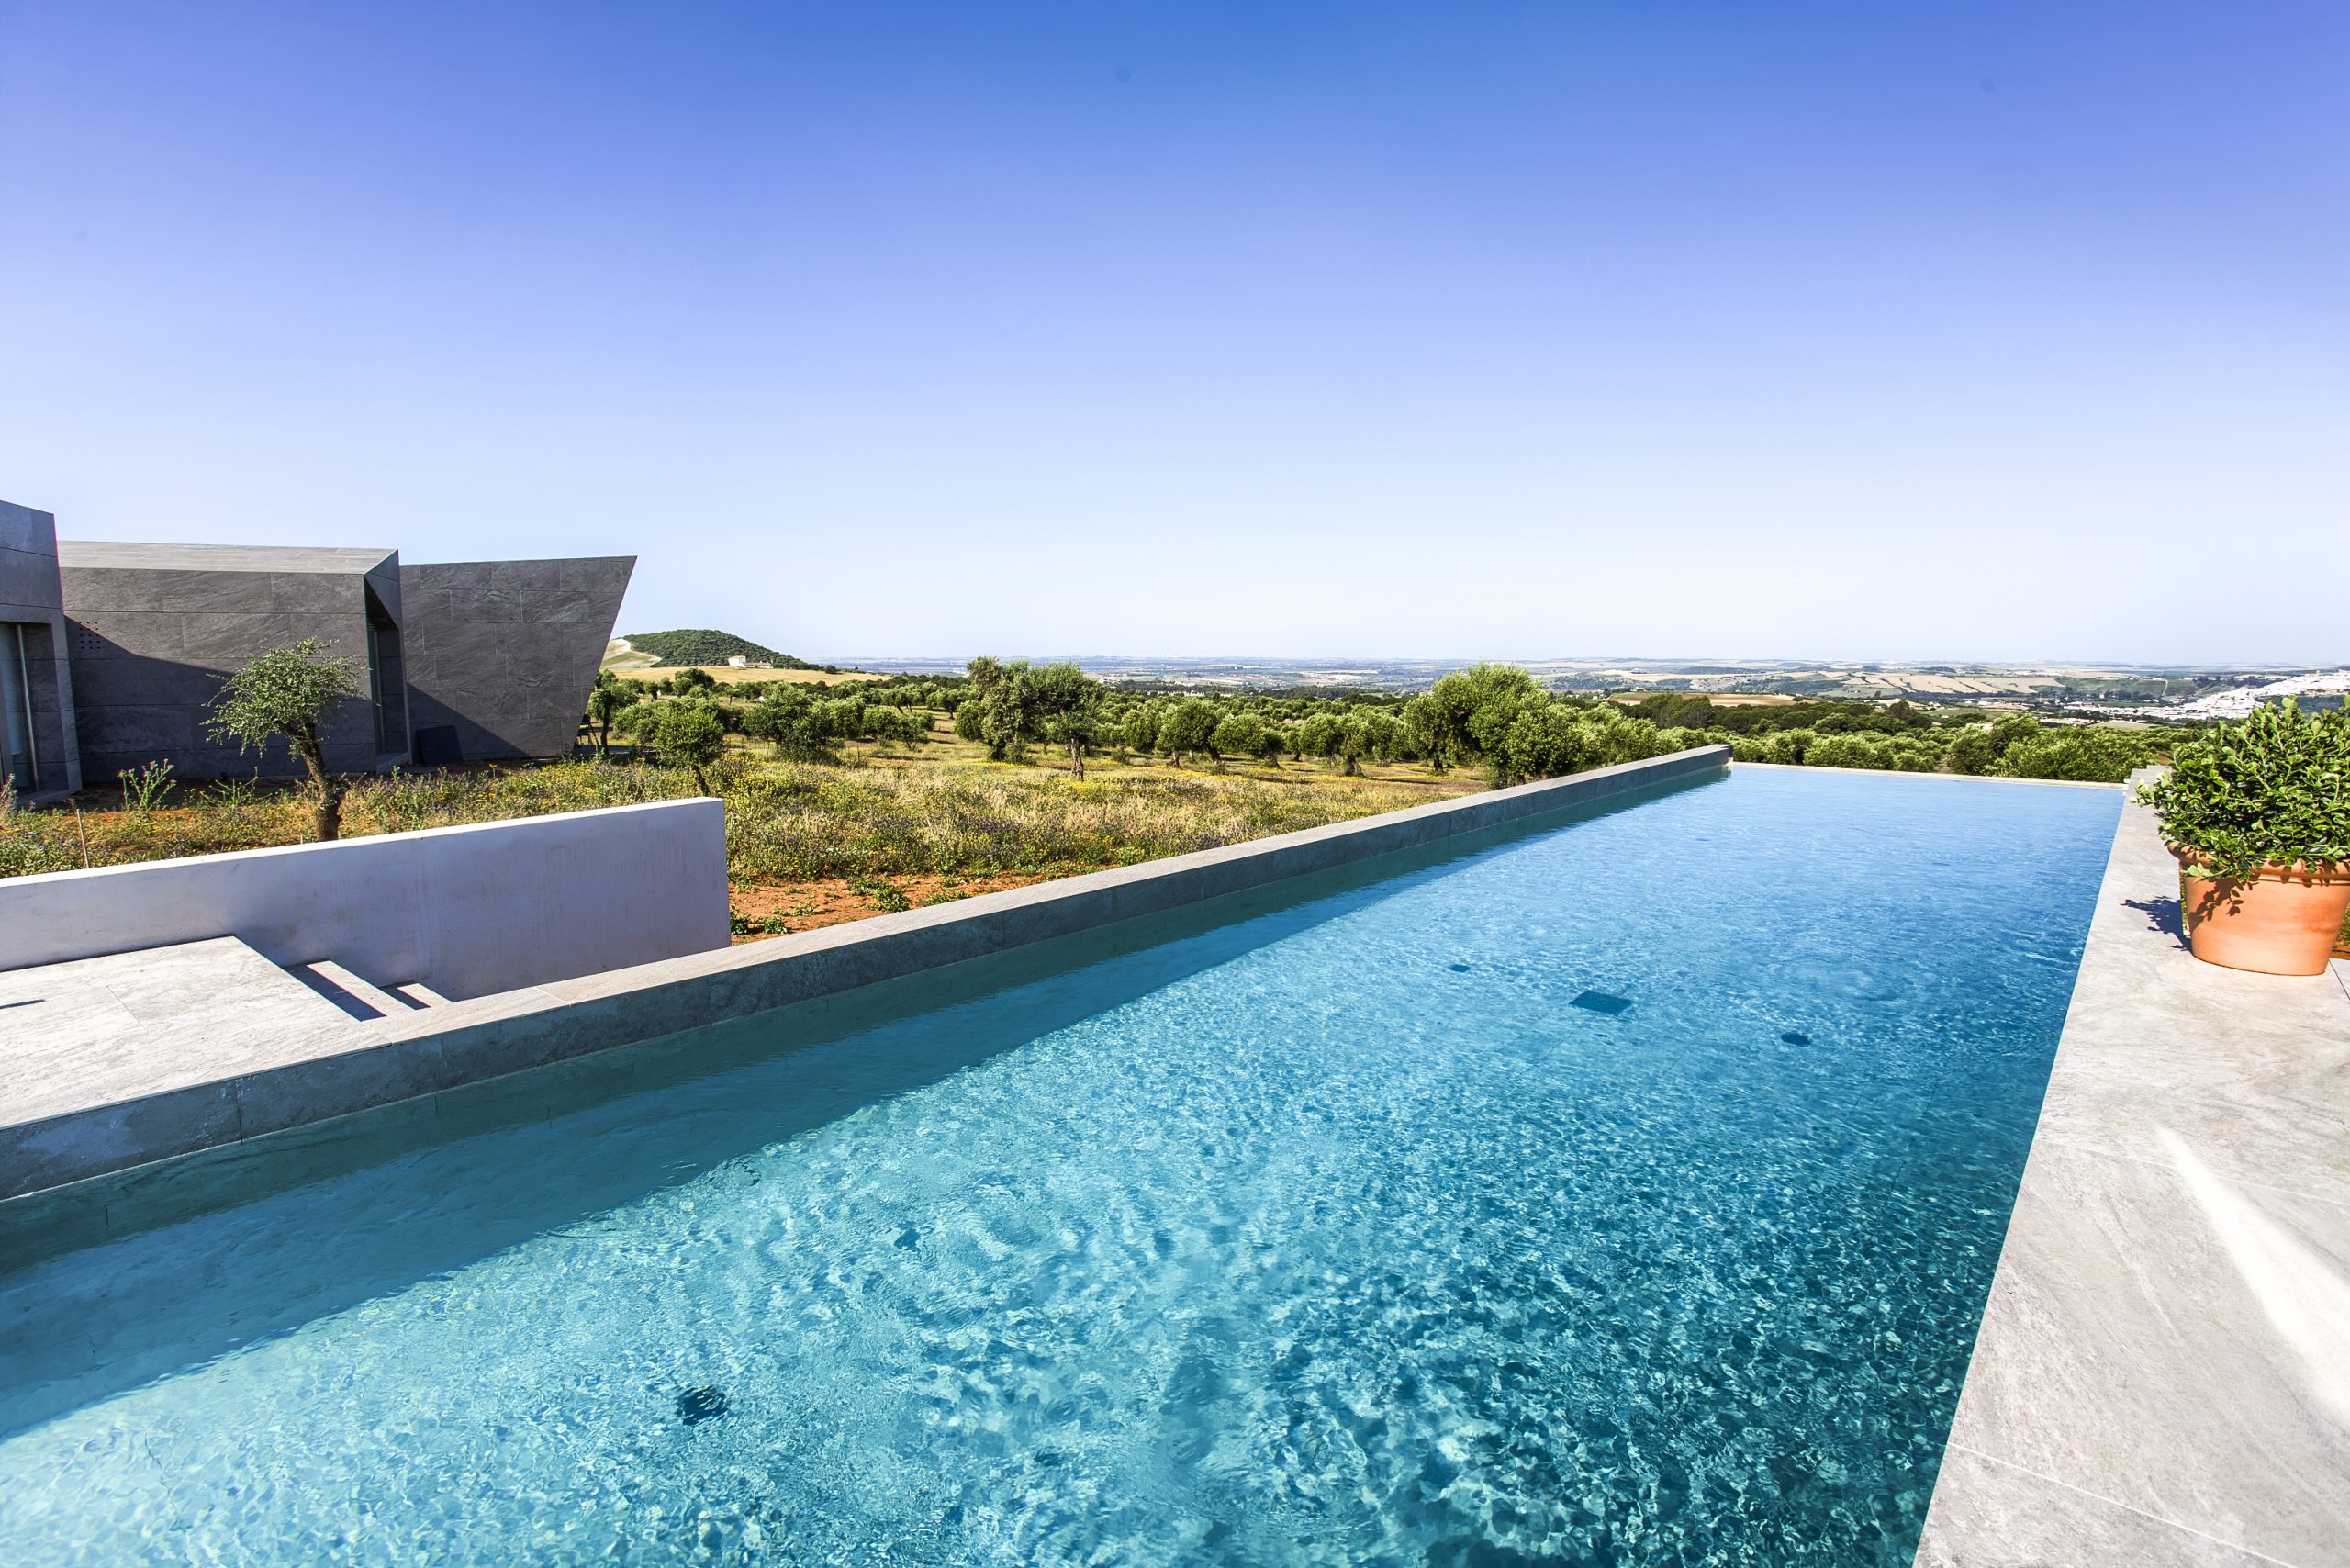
<point x="2258" y="813"/>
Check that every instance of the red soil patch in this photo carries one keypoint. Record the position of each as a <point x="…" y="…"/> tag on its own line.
<point x="832" y="901"/>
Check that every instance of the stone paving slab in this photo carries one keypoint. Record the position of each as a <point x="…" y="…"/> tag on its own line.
<point x="1995" y="1515"/>
<point x="93" y="1030"/>
<point x="2162" y="1372"/>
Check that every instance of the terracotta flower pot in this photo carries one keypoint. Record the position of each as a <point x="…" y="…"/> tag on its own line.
<point x="2282" y="920"/>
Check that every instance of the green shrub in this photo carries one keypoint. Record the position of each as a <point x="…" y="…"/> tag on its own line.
<point x="2272" y="789"/>
<point x="1849" y="750"/>
<point x="1545" y="739"/>
<point x="2095" y="755"/>
<point x="34" y="842"/>
<point x="1542" y="742"/>
<point x="789" y="721"/>
<point x="1971" y="751"/>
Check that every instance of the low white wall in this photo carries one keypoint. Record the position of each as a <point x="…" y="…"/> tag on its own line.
<point x="469" y="910"/>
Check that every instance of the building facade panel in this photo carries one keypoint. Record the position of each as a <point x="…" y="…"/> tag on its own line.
<point x="40" y="744"/>
<point x="156" y="627"/>
<point x="128" y="682"/>
<point x="502" y="653"/>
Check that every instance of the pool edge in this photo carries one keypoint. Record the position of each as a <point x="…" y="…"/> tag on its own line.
<point x="2137" y="1391"/>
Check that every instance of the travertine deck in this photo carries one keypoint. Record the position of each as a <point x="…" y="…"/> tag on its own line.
<point x="2163" y="1374"/>
<point x="97" y="1030"/>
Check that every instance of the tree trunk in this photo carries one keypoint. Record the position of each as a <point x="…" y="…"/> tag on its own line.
<point x="327" y="810"/>
<point x="1077" y="756"/>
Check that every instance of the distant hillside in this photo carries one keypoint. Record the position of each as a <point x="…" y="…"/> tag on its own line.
<point x="699" y="646"/>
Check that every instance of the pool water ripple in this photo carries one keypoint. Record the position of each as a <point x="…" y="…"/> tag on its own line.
<point x="1306" y="1244"/>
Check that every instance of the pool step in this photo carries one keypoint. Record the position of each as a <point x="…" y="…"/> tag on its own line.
<point x="362" y="998"/>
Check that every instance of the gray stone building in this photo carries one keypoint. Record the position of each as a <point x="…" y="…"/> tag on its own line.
<point x="501" y="653"/>
<point x="118" y="650"/>
<point x="40" y="751"/>
<point x="155" y="627"/>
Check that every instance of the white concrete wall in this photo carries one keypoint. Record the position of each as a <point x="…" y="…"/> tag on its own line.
<point x="468" y="911"/>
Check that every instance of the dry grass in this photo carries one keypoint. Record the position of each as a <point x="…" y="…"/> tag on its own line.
<point x="788" y="823"/>
<point x="228" y="815"/>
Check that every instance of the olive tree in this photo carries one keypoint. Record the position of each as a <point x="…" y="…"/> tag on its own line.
<point x="1140" y="730"/>
<point x="1237" y="734"/>
<point x="1549" y="738"/>
<point x="1318" y="736"/>
<point x="285" y="694"/>
<point x="691" y="732"/>
<point x="1468" y="713"/>
<point x="1544" y="741"/>
<point x="1010" y="715"/>
<point x="788" y="719"/>
<point x="1189" y="727"/>
<point x="895" y="726"/>
<point x="1429" y="723"/>
<point x="606" y="699"/>
<point x="1069" y="703"/>
<point x="1352" y="740"/>
<point x="843" y="717"/>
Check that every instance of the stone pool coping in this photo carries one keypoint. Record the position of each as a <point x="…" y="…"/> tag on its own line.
<point x="2162" y="1372"/>
<point x="247" y="1083"/>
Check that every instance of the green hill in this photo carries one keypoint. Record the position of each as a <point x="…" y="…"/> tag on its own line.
<point x="699" y="646"/>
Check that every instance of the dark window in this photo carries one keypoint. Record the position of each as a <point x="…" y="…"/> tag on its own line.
<point x="386" y="680"/>
<point x="436" y="746"/>
<point x="19" y="752"/>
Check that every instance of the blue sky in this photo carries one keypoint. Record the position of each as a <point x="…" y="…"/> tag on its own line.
<point x="1863" y="331"/>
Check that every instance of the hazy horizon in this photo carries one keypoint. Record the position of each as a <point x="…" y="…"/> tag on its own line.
<point x="1346" y="661"/>
<point x="2005" y="333"/>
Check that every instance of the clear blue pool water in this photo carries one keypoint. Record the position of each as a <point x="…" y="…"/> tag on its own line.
<point x="1338" y="1233"/>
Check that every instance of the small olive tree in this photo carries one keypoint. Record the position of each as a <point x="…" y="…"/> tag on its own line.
<point x="606" y="701"/>
<point x="286" y="694"/>
<point x="691" y="732"/>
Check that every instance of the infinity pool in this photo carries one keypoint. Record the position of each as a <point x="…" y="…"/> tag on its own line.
<point x="1624" y="1193"/>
